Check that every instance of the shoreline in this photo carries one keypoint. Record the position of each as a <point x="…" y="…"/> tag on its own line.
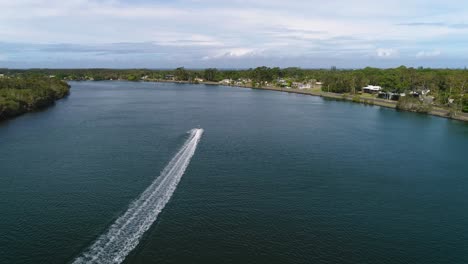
<point x="22" y="100"/>
<point x="45" y="106"/>
<point x="435" y="111"/>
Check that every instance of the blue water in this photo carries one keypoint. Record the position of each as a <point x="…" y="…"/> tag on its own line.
<point x="276" y="178"/>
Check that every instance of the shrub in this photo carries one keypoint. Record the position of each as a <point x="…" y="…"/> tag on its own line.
<point x="465" y="103"/>
<point x="411" y="104"/>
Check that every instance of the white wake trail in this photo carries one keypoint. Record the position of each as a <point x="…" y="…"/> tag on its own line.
<point x="125" y="233"/>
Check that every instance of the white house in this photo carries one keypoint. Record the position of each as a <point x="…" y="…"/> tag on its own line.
<point x="226" y="81"/>
<point x="304" y="86"/>
<point x="371" y="89"/>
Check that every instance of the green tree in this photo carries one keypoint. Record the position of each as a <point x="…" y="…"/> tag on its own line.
<point x="181" y="74"/>
<point x="211" y="74"/>
<point x="465" y="103"/>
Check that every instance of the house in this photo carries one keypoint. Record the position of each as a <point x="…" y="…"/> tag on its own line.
<point x="283" y="83"/>
<point x="304" y="86"/>
<point x="2" y="75"/>
<point x="198" y="80"/>
<point x="226" y="81"/>
<point x="241" y="82"/>
<point x="371" y="89"/>
<point x="169" y="77"/>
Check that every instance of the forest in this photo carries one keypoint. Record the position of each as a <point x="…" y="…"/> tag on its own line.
<point x="23" y="94"/>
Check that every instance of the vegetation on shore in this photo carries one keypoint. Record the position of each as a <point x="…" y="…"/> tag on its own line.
<point x="413" y="105"/>
<point x="19" y="95"/>
<point x="465" y="103"/>
<point x="448" y="87"/>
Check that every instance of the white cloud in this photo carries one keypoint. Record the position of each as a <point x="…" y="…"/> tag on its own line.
<point x="387" y="53"/>
<point x="239" y="52"/>
<point x="234" y="53"/>
<point x="428" y="54"/>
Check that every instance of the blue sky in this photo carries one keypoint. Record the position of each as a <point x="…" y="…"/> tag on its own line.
<point x="233" y="34"/>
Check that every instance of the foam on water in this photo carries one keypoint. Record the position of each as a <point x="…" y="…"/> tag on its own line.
<point x="125" y="233"/>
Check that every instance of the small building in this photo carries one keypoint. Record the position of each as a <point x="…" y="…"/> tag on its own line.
<point x="226" y="81"/>
<point x="241" y="82"/>
<point x="282" y="82"/>
<point x="198" y="80"/>
<point x="169" y="77"/>
<point x="304" y="86"/>
<point x="2" y="75"/>
<point x="372" y="89"/>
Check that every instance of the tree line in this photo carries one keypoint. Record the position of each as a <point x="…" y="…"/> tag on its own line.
<point x="446" y="85"/>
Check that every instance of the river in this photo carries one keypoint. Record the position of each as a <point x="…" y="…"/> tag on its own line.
<point x="275" y="178"/>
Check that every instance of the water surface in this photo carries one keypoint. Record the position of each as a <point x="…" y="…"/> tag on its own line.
<point x="277" y="178"/>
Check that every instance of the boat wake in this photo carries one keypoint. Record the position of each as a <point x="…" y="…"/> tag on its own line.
<point x="125" y="233"/>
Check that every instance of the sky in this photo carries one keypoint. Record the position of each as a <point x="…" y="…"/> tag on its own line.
<point x="233" y="34"/>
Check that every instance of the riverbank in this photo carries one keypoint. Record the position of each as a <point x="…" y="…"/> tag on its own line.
<point x="19" y="96"/>
<point x="435" y="111"/>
